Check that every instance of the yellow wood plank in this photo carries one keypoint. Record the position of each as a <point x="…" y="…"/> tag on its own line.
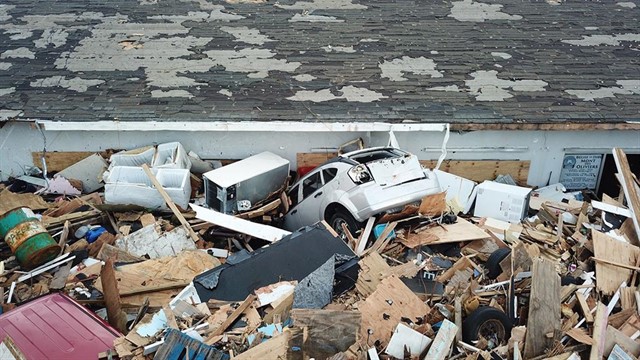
<point x="57" y="161"/>
<point x="481" y="170"/>
<point x="313" y="159"/>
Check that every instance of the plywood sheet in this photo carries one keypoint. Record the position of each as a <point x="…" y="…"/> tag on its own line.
<point x="372" y="267"/>
<point x="329" y="332"/>
<point x="162" y="271"/>
<point x="462" y="230"/>
<point x="57" y="161"/>
<point x="384" y="308"/>
<point x="609" y="277"/>
<point x="481" y="170"/>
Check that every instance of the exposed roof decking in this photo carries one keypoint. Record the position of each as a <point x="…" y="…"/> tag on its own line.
<point x="321" y="60"/>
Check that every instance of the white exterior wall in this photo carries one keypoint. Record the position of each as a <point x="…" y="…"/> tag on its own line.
<point x="545" y="149"/>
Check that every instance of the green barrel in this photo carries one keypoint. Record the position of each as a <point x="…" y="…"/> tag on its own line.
<point x="14" y="217"/>
<point x="28" y="239"/>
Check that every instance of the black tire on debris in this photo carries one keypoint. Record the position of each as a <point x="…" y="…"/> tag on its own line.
<point x="342" y="216"/>
<point x="493" y="262"/>
<point x="488" y="322"/>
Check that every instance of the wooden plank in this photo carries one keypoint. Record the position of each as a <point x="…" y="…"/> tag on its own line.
<point x="384" y="309"/>
<point x="439" y="349"/>
<point x="462" y="230"/>
<point x="117" y="318"/>
<point x="233" y="317"/>
<point x="280" y="311"/>
<point x="629" y="186"/>
<point x="615" y="263"/>
<point x="364" y="236"/>
<point x="481" y="170"/>
<point x="607" y="249"/>
<point x="328" y="331"/>
<point x="599" y="329"/>
<point x="584" y="307"/>
<point x="544" y="309"/>
<point x="275" y="348"/>
<point x="59" y="160"/>
<point x="172" y="206"/>
<point x="261" y="210"/>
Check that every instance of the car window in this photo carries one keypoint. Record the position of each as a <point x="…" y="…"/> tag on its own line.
<point x="377" y="154"/>
<point x="293" y="195"/>
<point x="328" y="174"/>
<point x="311" y="184"/>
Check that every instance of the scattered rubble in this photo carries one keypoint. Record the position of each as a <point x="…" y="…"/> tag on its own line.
<point x="185" y="262"/>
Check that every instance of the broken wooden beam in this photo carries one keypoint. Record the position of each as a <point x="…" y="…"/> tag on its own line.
<point x="172" y="206"/>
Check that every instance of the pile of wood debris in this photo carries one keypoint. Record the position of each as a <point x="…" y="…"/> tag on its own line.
<point x="561" y="284"/>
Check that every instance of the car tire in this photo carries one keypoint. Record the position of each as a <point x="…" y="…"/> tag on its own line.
<point x="493" y="262"/>
<point x="488" y="322"/>
<point x="342" y="216"/>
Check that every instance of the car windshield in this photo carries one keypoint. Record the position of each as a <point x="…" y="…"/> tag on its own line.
<point x="377" y="154"/>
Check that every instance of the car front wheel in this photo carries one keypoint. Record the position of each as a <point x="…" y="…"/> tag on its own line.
<point x="342" y="217"/>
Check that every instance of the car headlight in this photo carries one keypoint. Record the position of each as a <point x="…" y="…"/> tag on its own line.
<point x="359" y="174"/>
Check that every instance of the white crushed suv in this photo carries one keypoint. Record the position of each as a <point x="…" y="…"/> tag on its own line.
<point x="357" y="185"/>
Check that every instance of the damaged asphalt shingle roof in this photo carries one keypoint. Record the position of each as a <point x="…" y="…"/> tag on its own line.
<point x="321" y="60"/>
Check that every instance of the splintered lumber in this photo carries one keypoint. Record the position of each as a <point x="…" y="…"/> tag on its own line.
<point x="372" y="267"/>
<point x="629" y="186"/>
<point x="544" y="321"/>
<point x="433" y="205"/>
<point x="328" y="331"/>
<point x="383" y="239"/>
<point x="439" y="350"/>
<point x="462" y="230"/>
<point x="233" y="317"/>
<point x="261" y="210"/>
<point x="116" y="317"/>
<point x="172" y="206"/>
<point x="608" y="249"/>
<point x="599" y="330"/>
<point x="385" y="308"/>
<point x="586" y="311"/>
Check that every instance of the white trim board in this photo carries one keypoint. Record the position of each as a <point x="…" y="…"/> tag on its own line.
<point x="279" y="126"/>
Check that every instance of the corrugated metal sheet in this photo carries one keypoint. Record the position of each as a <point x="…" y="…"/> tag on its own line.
<point x="57" y="327"/>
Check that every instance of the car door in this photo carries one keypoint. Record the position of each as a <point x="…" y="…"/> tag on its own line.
<point x="309" y="211"/>
<point x="292" y="219"/>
